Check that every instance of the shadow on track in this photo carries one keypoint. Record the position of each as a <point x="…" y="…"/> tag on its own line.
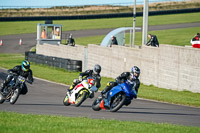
<point x="154" y="113"/>
<point x="41" y="104"/>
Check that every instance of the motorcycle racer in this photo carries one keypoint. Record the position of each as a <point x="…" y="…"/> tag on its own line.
<point x="132" y="76"/>
<point x="23" y="70"/>
<point x="95" y="73"/>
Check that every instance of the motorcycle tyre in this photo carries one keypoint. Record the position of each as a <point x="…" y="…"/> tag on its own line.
<point x="121" y="103"/>
<point x="2" y="99"/>
<point x="65" y="102"/>
<point x="15" y="96"/>
<point x="82" y="99"/>
<point x="95" y="105"/>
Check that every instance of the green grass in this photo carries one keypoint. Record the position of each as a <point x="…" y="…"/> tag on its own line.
<point x="170" y="96"/>
<point x="24" y="123"/>
<point x="62" y="76"/>
<point x="22" y="27"/>
<point x="179" y="37"/>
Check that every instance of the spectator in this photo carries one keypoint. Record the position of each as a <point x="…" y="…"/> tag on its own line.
<point x="196" y="37"/>
<point x="113" y="41"/>
<point x="71" y="40"/>
<point x="43" y="34"/>
<point x="153" y="41"/>
<point x="57" y="33"/>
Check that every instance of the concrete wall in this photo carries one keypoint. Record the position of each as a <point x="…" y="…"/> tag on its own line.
<point x="168" y="66"/>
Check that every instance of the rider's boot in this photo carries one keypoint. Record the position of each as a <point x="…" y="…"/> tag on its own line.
<point x="71" y="88"/>
<point x="103" y="93"/>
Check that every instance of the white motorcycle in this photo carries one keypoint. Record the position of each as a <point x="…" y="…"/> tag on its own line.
<point x="80" y="92"/>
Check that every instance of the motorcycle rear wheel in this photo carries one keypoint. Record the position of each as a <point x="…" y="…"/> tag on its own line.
<point x="96" y="104"/>
<point x="65" y="100"/>
<point x="117" y="102"/>
<point x="80" y="98"/>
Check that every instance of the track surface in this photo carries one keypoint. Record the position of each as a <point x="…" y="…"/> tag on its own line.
<point x="46" y="98"/>
<point x="11" y="42"/>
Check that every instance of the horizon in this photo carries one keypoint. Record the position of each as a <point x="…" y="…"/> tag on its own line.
<point x="52" y="3"/>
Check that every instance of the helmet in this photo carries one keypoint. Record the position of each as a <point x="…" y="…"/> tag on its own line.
<point x="97" y="69"/>
<point x="25" y="65"/>
<point x="136" y="70"/>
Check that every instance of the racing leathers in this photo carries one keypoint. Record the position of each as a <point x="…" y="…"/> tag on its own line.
<point x="83" y="75"/>
<point x="18" y="71"/>
<point x="121" y="79"/>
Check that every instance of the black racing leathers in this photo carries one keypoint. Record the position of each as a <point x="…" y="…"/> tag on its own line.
<point x="121" y="79"/>
<point x="27" y="74"/>
<point x="90" y="73"/>
<point x="125" y="76"/>
<point x="18" y="71"/>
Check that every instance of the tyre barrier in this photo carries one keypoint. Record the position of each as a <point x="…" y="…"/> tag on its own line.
<point x="68" y="64"/>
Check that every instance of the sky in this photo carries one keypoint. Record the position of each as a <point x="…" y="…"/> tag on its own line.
<point x="58" y="2"/>
<point x="66" y="2"/>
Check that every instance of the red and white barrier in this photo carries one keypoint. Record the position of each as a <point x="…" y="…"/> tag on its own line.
<point x="195" y="44"/>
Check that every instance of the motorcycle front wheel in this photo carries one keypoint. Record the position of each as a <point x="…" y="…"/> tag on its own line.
<point x="15" y="96"/>
<point x="117" y="102"/>
<point x="65" y="100"/>
<point x="80" y="98"/>
<point x="2" y="99"/>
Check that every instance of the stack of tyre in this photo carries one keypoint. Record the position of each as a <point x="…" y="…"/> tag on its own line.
<point x="68" y="64"/>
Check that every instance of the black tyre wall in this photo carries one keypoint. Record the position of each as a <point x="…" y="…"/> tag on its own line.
<point x="68" y="64"/>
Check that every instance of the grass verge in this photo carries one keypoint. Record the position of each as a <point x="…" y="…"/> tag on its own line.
<point x="62" y="76"/>
<point x="23" y="123"/>
<point x="22" y="27"/>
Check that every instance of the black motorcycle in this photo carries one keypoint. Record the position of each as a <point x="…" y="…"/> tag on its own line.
<point x="12" y="91"/>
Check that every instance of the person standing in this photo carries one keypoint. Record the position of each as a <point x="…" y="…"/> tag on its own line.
<point x="113" y="41"/>
<point x="43" y="34"/>
<point x="153" y="41"/>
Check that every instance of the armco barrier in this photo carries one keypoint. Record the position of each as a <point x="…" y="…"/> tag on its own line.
<point x="68" y="64"/>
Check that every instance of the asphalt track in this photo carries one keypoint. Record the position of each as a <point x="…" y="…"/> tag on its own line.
<point x="46" y="98"/>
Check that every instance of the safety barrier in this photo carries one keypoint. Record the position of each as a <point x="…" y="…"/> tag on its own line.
<point x="68" y="64"/>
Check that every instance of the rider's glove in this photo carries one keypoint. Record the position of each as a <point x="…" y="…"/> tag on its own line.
<point x="29" y="81"/>
<point x="80" y="78"/>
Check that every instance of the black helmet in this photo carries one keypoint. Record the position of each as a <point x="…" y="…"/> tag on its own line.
<point x="97" y="69"/>
<point x="135" y="69"/>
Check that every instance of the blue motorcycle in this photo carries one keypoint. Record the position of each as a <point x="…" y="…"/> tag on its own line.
<point x="120" y="95"/>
